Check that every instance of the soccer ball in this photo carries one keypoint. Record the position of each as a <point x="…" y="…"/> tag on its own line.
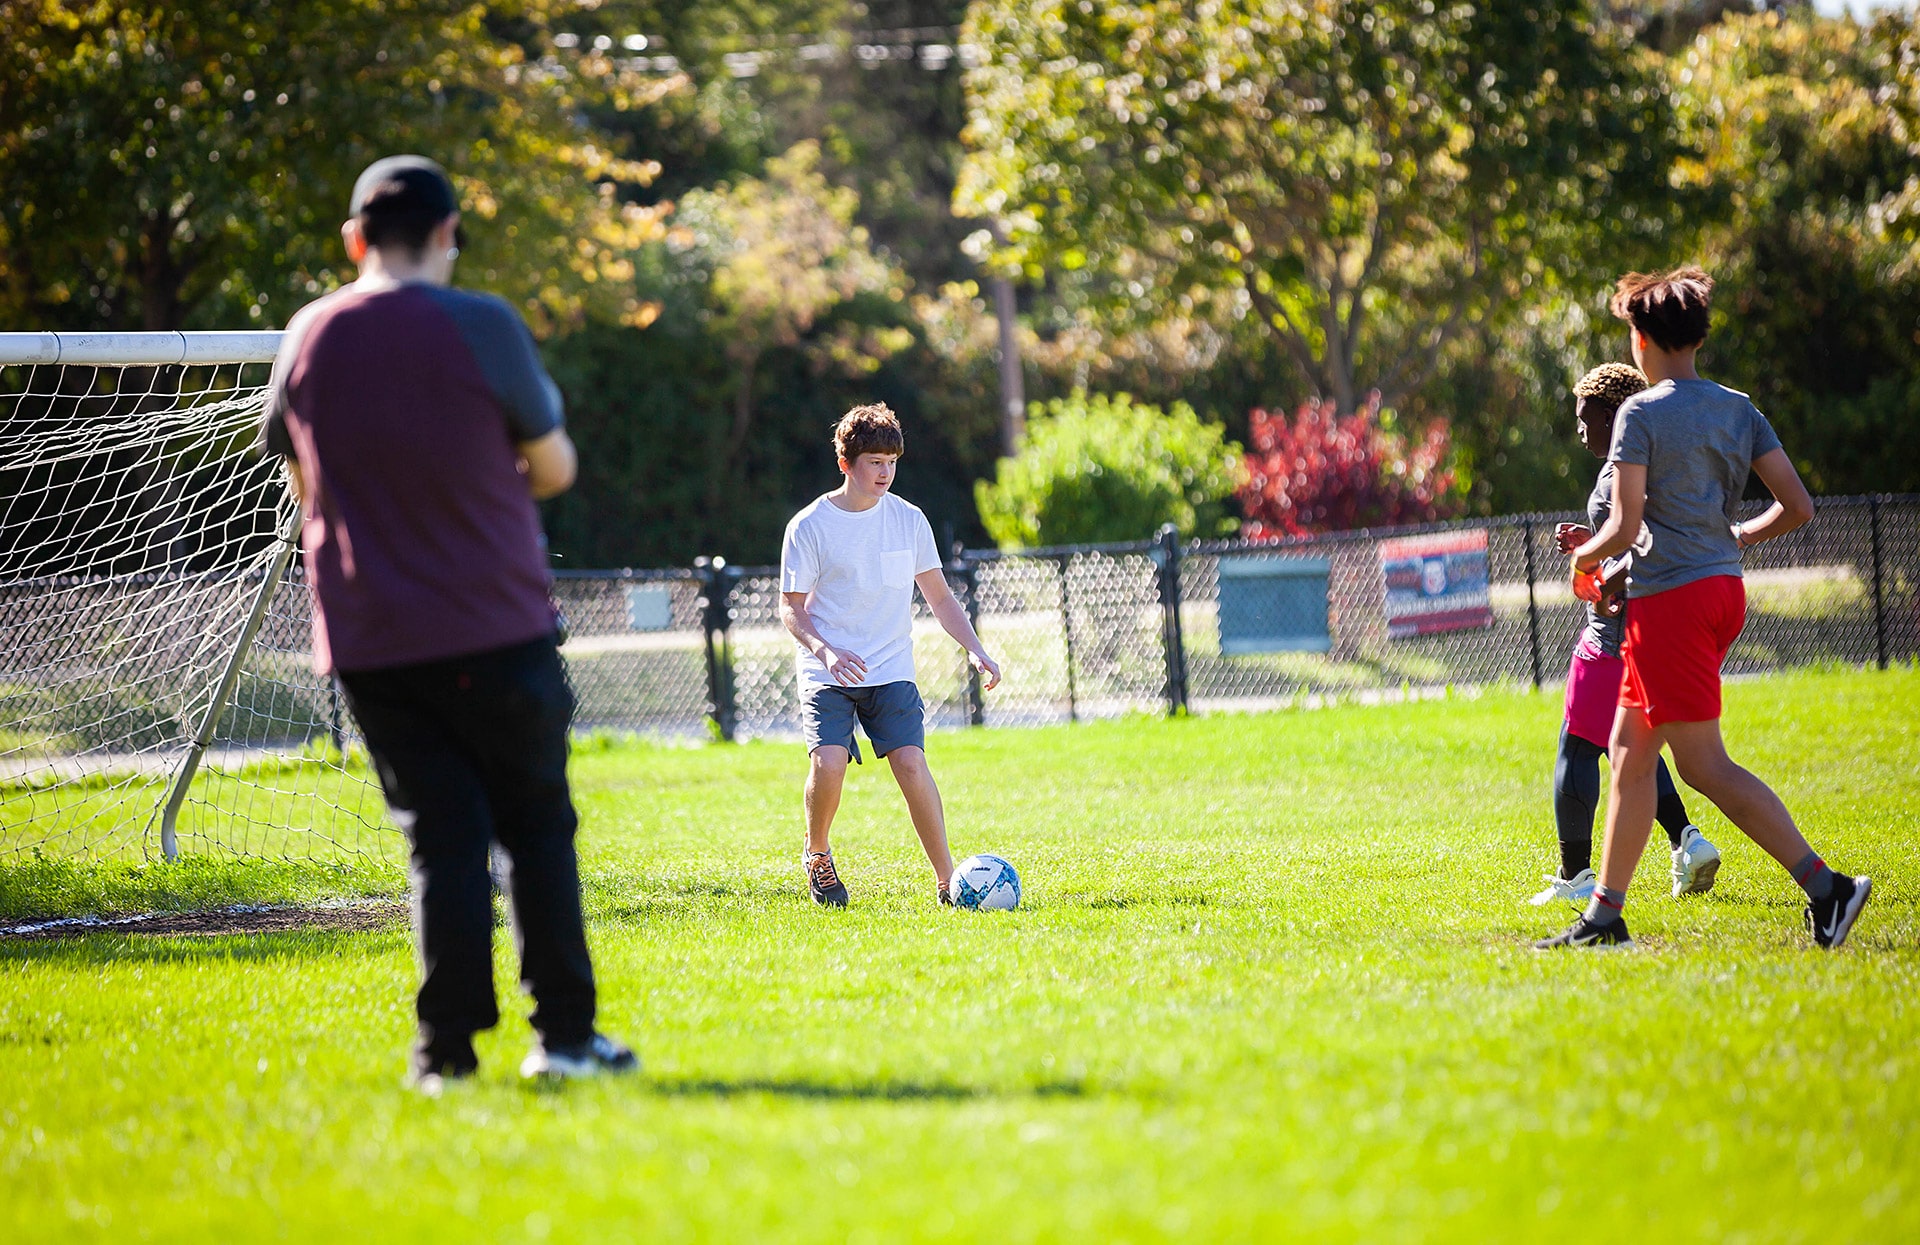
<point x="985" y="881"/>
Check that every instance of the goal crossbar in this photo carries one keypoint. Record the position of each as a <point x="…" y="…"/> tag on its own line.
<point x="131" y="349"/>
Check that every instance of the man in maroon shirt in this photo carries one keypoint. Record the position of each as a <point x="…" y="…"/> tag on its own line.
<point x="418" y="429"/>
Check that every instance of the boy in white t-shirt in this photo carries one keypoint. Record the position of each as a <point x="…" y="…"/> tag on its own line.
<point x="848" y="568"/>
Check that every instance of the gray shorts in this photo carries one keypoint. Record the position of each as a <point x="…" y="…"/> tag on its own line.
<point x="892" y="714"/>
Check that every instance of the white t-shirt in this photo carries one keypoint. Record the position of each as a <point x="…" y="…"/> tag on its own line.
<point x="857" y="569"/>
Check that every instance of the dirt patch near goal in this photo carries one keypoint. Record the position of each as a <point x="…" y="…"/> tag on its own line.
<point x="239" y="919"/>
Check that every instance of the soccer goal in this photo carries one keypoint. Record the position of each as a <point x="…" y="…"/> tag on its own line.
<point x="156" y="689"/>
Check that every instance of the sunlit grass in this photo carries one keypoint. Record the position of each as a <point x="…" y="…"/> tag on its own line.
<point x="1270" y="982"/>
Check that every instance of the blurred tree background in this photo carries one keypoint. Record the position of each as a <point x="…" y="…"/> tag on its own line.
<point x="731" y="220"/>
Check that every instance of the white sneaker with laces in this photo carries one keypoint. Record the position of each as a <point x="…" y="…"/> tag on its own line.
<point x="1576" y="889"/>
<point x="1695" y="863"/>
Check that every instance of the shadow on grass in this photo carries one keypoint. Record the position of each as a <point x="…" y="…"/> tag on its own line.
<point x="120" y="948"/>
<point x="878" y="1091"/>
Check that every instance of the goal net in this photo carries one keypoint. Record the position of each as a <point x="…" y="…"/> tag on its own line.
<point x="156" y="689"/>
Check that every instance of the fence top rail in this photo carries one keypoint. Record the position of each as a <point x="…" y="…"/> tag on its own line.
<point x="673" y="574"/>
<point x="1054" y="553"/>
<point x="138" y="348"/>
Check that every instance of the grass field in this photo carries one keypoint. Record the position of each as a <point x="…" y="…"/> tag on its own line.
<point x="1271" y="981"/>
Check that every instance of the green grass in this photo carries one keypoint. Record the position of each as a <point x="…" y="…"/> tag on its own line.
<point x="1270" y="982"/>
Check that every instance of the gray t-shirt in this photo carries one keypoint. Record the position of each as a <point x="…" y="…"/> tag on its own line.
<point x="1602" y="632"/>
<point x="1697" y="441"/>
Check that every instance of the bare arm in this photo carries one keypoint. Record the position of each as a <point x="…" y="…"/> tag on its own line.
<point x="296" y="483"/>
<point x="550" y="464"/>
<point x="953" y="620"/>
<point x="1617" y="534"/>
<point x="1792" y="505"/>
<point x="847" y="669"/>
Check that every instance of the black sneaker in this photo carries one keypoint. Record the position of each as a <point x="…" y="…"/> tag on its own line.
<point x="1830" y="920"/>
<point x="597" y="1054"/>
<point x="1584" y="933"/>
<point x="944" y="894"/>
<point x="434" y="1066"/>
<point x="823" y="880"/>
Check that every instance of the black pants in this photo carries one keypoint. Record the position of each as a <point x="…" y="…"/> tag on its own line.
<point x="471" y="750"/>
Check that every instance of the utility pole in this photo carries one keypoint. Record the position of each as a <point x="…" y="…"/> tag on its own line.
<point x="1013" y="387"/>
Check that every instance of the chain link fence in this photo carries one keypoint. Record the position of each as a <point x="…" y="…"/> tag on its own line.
<point x="1159" y="626"/>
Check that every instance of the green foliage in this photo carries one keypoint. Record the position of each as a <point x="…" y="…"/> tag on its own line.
<point x="1111" y="469"/>
<point x="1369" y="181"/>
<point x="189" y="164"/>
<point x="1807" y="152"/>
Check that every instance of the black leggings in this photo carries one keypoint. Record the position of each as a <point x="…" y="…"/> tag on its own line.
<point x="1576" y="794"/>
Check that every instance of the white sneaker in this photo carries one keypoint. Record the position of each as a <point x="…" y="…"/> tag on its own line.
<point x="1695" y="862"/>
<point x="1576" y="889"/>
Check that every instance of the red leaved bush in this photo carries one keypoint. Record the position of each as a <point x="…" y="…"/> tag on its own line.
<point x="1324" y="472"/>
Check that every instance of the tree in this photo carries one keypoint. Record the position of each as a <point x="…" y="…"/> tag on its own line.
<point x="783" y="256"/>
<point x="1371" y="181"/>
<point x="1110" y="469"/>
<point x="1328" y="472"/>
<point x="189" y="164"/>
<point x="1806" y="157"/>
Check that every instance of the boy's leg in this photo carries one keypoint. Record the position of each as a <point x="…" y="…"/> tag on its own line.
<point x="896" y="722"/>
<point x="827" y="715"/>
<point x="826" y="778"/>
<point x="910" y="770"/>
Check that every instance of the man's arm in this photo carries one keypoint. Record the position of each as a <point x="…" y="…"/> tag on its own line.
<point x="847" y="669"/>
<point x="1617" y="534"/>
<point x="953" y="619"/>
<point x="1792" y="505"/>
<point x="296" y="483"/>
<point x="549" y="463"/>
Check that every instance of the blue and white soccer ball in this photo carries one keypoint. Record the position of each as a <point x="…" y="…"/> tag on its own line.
<point x="985" y="881"/>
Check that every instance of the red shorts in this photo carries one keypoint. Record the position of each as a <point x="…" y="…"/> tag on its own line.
<point x="1676" y="642"/>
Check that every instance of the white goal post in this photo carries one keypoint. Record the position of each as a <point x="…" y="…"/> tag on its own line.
<point x="155" y="681"/>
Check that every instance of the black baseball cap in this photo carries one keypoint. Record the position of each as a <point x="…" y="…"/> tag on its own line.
<point x="413" y="185"/>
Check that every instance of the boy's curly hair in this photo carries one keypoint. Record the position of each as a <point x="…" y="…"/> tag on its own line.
<point x="1610" y="383"/>
<point x="869" y="429"/>
<point x="1669" y="307"/>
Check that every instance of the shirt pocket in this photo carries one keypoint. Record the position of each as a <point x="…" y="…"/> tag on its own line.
<point x="896" y="568"/>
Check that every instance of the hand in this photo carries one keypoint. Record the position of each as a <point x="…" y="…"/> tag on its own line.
<point x="1570" y="536"/>
<point x="847" y="669"/>
<point x="1613" y="591"/>
<point x="988" y="667"/>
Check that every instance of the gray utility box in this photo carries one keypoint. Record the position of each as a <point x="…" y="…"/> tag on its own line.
<point x="650" y="607"/>
<point x="1270" y="603"/>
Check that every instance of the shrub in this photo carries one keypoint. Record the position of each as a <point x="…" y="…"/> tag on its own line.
<point x="1323" y="472"/>
<point x="1097" y="469"/>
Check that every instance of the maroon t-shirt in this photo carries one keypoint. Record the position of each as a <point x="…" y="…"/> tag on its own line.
<point x="403" y="406"/>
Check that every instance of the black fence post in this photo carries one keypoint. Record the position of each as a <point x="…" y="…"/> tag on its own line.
<point x="717" y="581"/>
<point x="1879" y="596"/>
<point x="1066" y="629"/>
<point x="967" y="571"/>
<point x="1170" y="633"/>
<point x="1533" y="603"/>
